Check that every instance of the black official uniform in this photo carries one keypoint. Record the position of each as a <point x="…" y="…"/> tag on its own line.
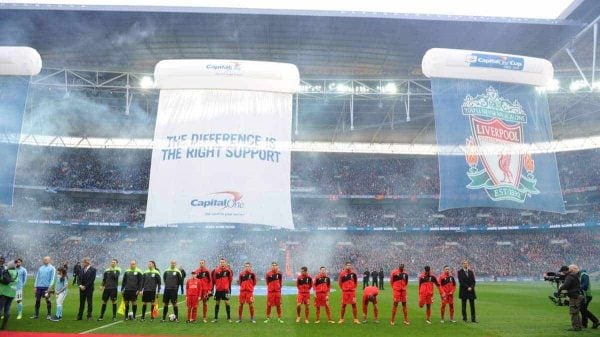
<point x="173" y="280"/>
<point x="150" y="287"/>
<point x="110" y="282"/>
<point x="151" y="283"/>
<point x="132" y="284"/>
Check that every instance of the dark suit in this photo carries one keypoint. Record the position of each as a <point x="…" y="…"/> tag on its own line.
<point x="467" y="280"/>
<point x="366" y="276"/>
<point x="86" y="278"/>
<point x="76" y="272"/>
<point x="374" y="277"/>
<point x="183" y="274"/>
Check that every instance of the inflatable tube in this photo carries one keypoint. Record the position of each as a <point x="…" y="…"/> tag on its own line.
<point x="478" y="65"/>
<point x="226" y="75"/>
<point x="19" y="61"/>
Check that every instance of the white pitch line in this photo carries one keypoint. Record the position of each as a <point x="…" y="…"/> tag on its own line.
<point x="115" y="323"/>
<point x="101" y="327"/>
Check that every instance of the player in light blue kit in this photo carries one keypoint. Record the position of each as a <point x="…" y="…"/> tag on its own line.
<point x="60" y="290"/>
<point x="44" y="279"/>
<point x="21" y="279"/>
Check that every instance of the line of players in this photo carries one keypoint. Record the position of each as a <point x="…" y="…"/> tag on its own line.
<point x="205" y="283"/>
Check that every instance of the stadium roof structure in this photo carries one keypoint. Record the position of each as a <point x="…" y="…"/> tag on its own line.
<point x="361" y="75"/>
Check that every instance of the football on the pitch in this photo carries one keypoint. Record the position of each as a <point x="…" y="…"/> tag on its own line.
<point x="172" y="317"/>
<point x="130" y="315"/>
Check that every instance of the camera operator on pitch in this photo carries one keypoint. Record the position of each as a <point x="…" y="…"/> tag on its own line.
<point x="557" y="279"/>
<point x="572" y="287"/>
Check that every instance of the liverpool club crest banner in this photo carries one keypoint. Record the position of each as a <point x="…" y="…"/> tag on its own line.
<point x="486" y="132"/>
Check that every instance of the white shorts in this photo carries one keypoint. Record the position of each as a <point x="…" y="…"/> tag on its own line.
<point x="19" y="295"/>
<point x="60" y="299"/>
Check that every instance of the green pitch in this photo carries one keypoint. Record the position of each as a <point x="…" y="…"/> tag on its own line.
<point x="503" y="309"/>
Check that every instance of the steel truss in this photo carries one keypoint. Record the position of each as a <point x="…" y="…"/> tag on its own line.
<point x="351" y="91"/>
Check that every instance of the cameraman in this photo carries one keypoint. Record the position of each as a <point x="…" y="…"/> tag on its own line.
<point x="572" y="287"/>
<point x="584" y="278"/>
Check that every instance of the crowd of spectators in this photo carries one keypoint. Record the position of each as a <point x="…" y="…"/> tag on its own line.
<point x="83" y="168"/>
<point x="515" y="253"/>
<point x="413" y="178"/>
<point x="401" y="215"/>
<point x="324" y="173"/>
<point x="61" y="207"/>
<point x="502" y="255"/>
<point x="308" y="213"/>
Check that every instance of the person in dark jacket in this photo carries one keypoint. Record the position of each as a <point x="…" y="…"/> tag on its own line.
<point x="586" y="288"/>
<point x="366" y="276"/>
<point x="76" y="271"/>
<point x="374" y="277"/>
<point x="381" y="278"/>
<point x="572" y="287"/>
<point x="466" y="290"/>
<point x="86" y="280"/>
<point x="183" y="275"/>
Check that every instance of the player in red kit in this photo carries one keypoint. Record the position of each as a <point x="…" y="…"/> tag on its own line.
<point x="192" y="291"/>
<point x="399" y="282"/>
<point x="426" y="283"/>
<point x="304" y="283"/>
<point x="447" y="286"/>
<point x="274" y="283"/>
<point x="322" y="289"/>
<point x="205" y="286"/>
<point x="222" y="277"/>
<point x="247" y="282"/>
<point x="370" y="295"/>
<point x="348" y="282"/>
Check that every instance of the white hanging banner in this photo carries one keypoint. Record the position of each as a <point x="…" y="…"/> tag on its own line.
<point x="221" y="144"/>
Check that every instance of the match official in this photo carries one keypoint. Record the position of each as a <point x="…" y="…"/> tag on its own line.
<point x="150" y="287"/>
<point x="110" y="283"/>
<point x="131" y="288"/>
<point x="173" y="279"/>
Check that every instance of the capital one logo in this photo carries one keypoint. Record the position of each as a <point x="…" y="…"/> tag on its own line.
<point x="222" y="200"/>
<point x="225" y="67"/>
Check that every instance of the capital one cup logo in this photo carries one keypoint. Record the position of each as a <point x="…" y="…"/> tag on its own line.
<point x="495" y="164"/>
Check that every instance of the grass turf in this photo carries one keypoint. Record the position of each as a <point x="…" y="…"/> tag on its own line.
<point x="503" y="309"/>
